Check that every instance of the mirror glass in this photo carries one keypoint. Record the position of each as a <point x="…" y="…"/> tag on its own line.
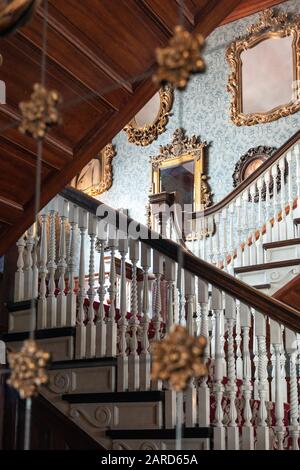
<point x="179" y="179"/>
<point x="148" y="114"/>
<point x="267" y="75"/>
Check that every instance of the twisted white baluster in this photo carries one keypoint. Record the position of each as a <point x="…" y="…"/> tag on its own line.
<point x="91" y="327"/>
<point x="231" y="388"/>
<point x="275" y="230"/>
<point x="19" y="275"/>
<point x="262" y="429"/>
<point x="291" y="349"/>
<point x="80" y="351"/>
<point x="253" y="254"/>
<point x="122" y="384"/>
<point x="267" y="181"/>
<point x="71" y="295"/>
<point x="170" y="278"/>
<point x="283" y="223"/>
<point x="35" y="264"/>
<point x="51" y="299"/>
<point x="276" y="340"/>
<point x="42" y="302"/>
<point x="238" y="340"/>
<point x="289" y="217"/>
<point x="62" y="264"/>
<point x="247" y="429"/>
<point x="133" y="359"/>
<point x="145" y="320"/>
<point x="218" y="388"/>
<point x="28" y="271"/>
<point x="246" y="251"/>
<point x="111" y="326"/>
<point x="259" y="245"/>
<point x="157" y="319"/>
<point x="100" y="317"/>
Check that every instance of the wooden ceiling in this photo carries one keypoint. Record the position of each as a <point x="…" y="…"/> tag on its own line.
<point x="100" y="55"/>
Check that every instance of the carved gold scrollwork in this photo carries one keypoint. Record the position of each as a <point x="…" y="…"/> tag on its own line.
<point x="270" y="25"/>
<point x="145" y="135"/>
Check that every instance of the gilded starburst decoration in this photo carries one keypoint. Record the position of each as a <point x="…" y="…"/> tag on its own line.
<point x="40" y="112"/>
<point x="178" y="358"/>
<point x="28" y="369"/>
<point x="179" y="59"/>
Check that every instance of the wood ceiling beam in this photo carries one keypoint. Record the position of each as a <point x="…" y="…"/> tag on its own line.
<point x="249" y="7"/>
<point x="212" y="14"/>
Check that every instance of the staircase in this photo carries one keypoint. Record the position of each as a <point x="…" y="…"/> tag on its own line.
<point x="99" y="328"/>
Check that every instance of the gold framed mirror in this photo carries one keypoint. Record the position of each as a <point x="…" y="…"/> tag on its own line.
<point x="265" y="70"/>
<point x="152" y="119"/>
<point x="97" y="176"/>
<point x="179" y="168"/>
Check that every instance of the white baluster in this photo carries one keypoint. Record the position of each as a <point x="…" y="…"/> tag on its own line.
<point x="231" y="388"/>
<point x="145" y="320"/>
<point x="35" y="264"/>
<point x="91" y="327"/>
<point x="100" y="317"/>
<point x="276" y="340"/>
<point x="157" y="319"/>
<point x="267" y="181"/>
<point x="19" y="275"/>
<point x="28" y="272"/>
<point x="170" y="278"/>
<point x="225" y="249"/>
<point x="275" y="230"/>
<point x="253" y="254"/>
<point x="246" y="251"/>
<point x="238" y="341"/>
<point x="111" y="326"/>
<point x="297" y="156"/>
<point x="211" y="225"/>
<point x="80" y="327"/>
<point x="71" y="295"/>
<point x="191" y="393"/>
<point x="42" y="302"/>
<point x="51" y="299"/>
<point x="62" y="265"/>
<point x="291" y="349"/>
<point x="122" y="384"/>
<point x="283" y="224"/>
<point x="289" y="218"/>
<point x="239" y="254"/>
<point x="259" y="247"/>
<point x="247" y="429"/>
<point x="133" y="359"/>
<point x="218" y="388"/>
<point x="217" y="249"/>
<point x="262" y="429"/>
<point x="231" y="237"/>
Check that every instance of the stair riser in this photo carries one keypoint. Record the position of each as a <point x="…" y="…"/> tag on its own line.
<point x="82" y="380"/>
<point x="155" y="444"/>
<point x="61" y="348"/>
<point x="276" y="277"/>
<point x="20" y="321"/>
<point x="282" y="253"/>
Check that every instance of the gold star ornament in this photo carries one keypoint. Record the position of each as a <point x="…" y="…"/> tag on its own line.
<point x="40" y="112"/>
<point x="28" y="369"/>
<point x="179" y="59"/>
<point x="178" y="358"/>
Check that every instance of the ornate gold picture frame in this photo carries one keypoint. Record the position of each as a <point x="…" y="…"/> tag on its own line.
<point x="148" y="133"/>
<point x="97" y="176"/>
<point x="270" y="25"/>
<point x="181" y="151"/>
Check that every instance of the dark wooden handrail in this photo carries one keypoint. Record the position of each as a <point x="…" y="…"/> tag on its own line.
<point x="275" y="309"/>
<point x="247" y="182"/>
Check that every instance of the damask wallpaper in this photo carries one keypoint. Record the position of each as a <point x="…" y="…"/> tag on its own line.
<point x="202" y="109"/>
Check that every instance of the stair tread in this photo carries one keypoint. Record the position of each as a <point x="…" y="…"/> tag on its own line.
<point x="262" y="286"/>
<point x="282" y="243"/>
<point x="196" y="432"/>
<point x="270" y="265"/>
<point x="40" y="334"/>
<point x="114" y="397"/>
<point x="81" y="363"/>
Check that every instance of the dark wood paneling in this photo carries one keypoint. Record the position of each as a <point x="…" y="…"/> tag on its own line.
<point x="290" y="293"/>
<point x="248" y="7"/>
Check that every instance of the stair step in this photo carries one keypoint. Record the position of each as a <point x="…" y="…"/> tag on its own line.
<point x="83" y="363"/>
<point x="262" y="286"/>
<point x="197" y="432"/>
<point x="115" y="397"/>
<point x="282" y="243"/>
<point x="265" y="266"/>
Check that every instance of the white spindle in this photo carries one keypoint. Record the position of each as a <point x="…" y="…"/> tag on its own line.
<point x="253" y="253"/>
<point x="91" y="327"/>
<point x="239" y="255"/>
<point x="231" y="237"/>
<point x="259" y="247"/>
<point x="283" y="224"/>
<point x="100" y="317"/>
<point x="145" y="320"/>
<point x="51" y="299"/>
<point x="62" y="265"/>
<point x="35" y="265"/>
<point x="133" y="359"/>
<point x="80" y="327"/>
<point x="19" y="275"/>
<point x="291" y="349"/>
<point x="42" y="302"/>
<point x="217" y="249"/>
<point x="275" y="230"/>
<point x="225" y="248"/>
<point x="28" y="271"/>
<point x="267" y="182"/>
<point x="289" y="219"/>
<point x="246" y="251"/>
<point x="276" y="340"/>
<point x="157" y="319"/>
<point x="218" y="388"/>
<point x="170" y="277"/>
<point x="262" y="429"/>
<point x="122" y="384"/>
<point x="111" y="326"/>
<point x="247" y="429"/>
<point x="71" y="295"/>
<point x="297" y="156"/>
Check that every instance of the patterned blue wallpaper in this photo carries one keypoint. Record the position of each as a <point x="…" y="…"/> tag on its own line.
<point x="204" y="111"/>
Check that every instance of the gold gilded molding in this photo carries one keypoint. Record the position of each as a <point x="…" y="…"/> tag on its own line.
<point x="146" y="135"/>
<point x="270" y="25"/>
<point x="98" y="173"/>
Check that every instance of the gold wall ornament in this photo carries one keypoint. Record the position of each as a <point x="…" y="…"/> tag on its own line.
<point x="97" y="176"/>
<point x="271" y="25"/>
<point x="178" y="358"/>
<point x="15" y="13"/>
<point x="28" y="369"/>
<point x="40" y="113"/>
<point x="179" y="59"/>
<point x="149" y="132"/>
